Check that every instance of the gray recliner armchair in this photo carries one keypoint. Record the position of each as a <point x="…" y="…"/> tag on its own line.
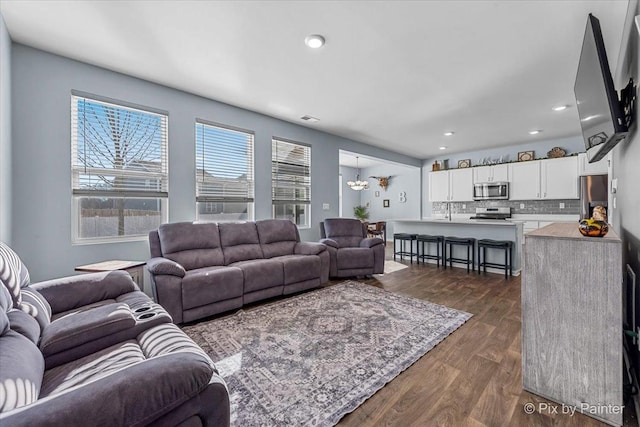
<point x="351" y="252"/>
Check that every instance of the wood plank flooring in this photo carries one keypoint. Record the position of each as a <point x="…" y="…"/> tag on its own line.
<point x="472" y="378"/>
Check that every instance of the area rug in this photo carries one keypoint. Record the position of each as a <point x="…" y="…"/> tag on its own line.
<point x="310" y="359"/>
<point x="392" y="267"/>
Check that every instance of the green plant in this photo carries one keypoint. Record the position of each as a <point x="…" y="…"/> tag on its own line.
<point x="361" y="213"/>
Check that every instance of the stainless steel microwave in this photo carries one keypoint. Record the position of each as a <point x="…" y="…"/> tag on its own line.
<point x="491" y="191"/>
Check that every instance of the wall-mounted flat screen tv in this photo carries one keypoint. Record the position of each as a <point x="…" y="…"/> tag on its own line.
<point x="600" y="111"/>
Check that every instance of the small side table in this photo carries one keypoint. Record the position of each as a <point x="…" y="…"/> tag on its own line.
<point x="134" y="268"/>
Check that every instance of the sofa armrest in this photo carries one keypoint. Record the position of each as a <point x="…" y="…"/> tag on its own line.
<point x="371" y="242"/>
<point x="159" y="266"/>
<point x="309" y="248"/>
<point x="135" y="396"/>
<point x="71" y="292"/>
<point x="330" y="242"/>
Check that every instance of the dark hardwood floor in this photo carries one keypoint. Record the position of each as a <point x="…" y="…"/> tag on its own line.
<point x="473" y="377"/>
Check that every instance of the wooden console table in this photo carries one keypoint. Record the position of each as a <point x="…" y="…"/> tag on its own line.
<point x="572" y="320"/>
<point x="134" y="268"/>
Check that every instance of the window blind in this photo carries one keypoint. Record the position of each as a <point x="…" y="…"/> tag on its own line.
<point x="291" y="172"/>
<point x="224" y="164"/>
<point x="117" y="151"/>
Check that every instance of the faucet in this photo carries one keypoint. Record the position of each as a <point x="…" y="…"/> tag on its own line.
<point x="448" y="214"/>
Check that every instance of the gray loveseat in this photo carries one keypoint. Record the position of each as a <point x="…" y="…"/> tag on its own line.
<point x="202" y="269"/>
<point x="352" y="252"/>
<point x="93" y="349"/>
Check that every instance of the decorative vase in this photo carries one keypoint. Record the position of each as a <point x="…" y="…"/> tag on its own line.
<point x="593" y="228"/>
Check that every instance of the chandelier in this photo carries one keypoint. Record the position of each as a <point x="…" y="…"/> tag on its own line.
<point x="357" y="184"/>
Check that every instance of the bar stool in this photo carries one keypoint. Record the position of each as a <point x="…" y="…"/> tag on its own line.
<point x="404" y="237"/>
<point x="426" y="238"/>
<point x="506" y="245"/>
<point x="469" y="242"/>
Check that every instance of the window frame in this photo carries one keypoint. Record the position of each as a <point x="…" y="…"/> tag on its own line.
<point x="284" y="202"/>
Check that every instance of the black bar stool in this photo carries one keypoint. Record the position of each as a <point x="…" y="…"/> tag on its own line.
<point x="404" y="237"/>
<point x="506" y="245"/>
<point x="422" y="254"/>
<point x="469" y="242"/>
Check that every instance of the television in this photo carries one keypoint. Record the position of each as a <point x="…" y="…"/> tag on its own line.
<point x="600" y="111"/>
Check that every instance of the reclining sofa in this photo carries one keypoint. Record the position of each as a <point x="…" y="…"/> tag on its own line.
<point x="93" y="349"/>
<point x="351" y="252"/>
<point x="201" y="269"/>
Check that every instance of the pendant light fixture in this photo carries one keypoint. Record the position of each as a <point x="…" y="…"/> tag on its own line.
<point x="357" y="184"/>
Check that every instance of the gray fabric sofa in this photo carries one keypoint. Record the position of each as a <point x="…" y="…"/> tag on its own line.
<point x="201" y="269"/>
<point x="93" y="349"/>
<point x="351" y="252"/>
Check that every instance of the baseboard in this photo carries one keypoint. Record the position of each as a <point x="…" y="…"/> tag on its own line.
<point x="463" y="267"/>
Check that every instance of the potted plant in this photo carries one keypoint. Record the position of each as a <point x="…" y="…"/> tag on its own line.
<point x="361" y="213"/>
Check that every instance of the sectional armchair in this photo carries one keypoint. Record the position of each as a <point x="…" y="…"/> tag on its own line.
<point x="93" y="349"/>
<point x="201" y="269"/>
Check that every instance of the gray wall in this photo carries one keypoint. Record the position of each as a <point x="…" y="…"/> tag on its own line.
<point x="509" y="153"/>
<point x="5" y="133"/>
<point x="41" y="202"/>
<point x="350" y="198"/>
<point x="625" y="167"/>
<point x="403" y="178"/>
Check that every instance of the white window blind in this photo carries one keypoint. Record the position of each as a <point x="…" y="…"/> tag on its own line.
<point x="119" y="169"/>
<point x="224" y="164"/>
<point x="291" y="181"/>
<point x="118" y="151"/>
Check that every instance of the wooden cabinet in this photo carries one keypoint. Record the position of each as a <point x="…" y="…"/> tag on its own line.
<point x="454" y="185"/>
<point x="552" y="179"/>
<point x="572" y="319"/>
<point x="598" y="168"/>
<point x="525" y="180"/>
<point x="494" y="173"/>
<point x="559" y="178"/>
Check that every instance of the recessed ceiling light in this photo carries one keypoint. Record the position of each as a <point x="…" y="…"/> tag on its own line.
<point x="443" y="148"/>
<point x="586" y="119"/>
<point x="314" y="41"/>
<point x="534" y="132"/>
<point x="560" y="107"/>
<point x="449" y="133"/>
<point x="310" y="119"/>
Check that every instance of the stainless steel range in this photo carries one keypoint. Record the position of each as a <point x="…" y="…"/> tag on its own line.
<point x="500" y="213"/>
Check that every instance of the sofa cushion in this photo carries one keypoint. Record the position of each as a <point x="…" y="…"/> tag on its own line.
<point x="21" y="374"/>
<point x="36" y="305"/>
<point x="261" y="274"/>
<point x="211" y="284"/>
<point x="191" y="245"/>
<point x="85" y="326"/>
<point x="298" y="268"/>
<point x="277" y="237"/>
<point x="91" y="368"/>
<point x="350" y="258"/>
<point x="13" y="273"/>
<point x="346" y="232"/>
<point x="24" y="324"/>
<point x="240" y="242"/>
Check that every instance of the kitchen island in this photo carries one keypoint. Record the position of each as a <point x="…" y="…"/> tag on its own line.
<point x="477" y="229"/>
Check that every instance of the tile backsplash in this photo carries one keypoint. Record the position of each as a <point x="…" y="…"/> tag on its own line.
<point x="531" y="207"/>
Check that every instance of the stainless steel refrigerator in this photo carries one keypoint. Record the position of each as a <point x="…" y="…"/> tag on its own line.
<point x="593" y="192"/>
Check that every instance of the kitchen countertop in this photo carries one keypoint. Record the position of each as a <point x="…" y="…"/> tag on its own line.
<point x="462" y="221"/>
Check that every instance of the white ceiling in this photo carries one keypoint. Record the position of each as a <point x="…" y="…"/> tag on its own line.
<point x="349" y="160"/>
<point x="395" y="74"/>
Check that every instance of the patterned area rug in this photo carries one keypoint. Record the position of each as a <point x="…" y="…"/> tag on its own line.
<point x="310" y="359"/>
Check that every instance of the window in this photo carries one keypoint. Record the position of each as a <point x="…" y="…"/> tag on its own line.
<point x="119" y="170"/>
<point x="291" y="181"/>
<point x="224" y="173"/>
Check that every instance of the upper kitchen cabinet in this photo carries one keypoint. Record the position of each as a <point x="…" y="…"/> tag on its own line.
<point x="525" y="180"/>
<point x="560" y="178"/>
<point x="600" y="167"/>
<point x="454" y="185"/>
<point x="544" y="179"/>
<point x="494" y="173"/>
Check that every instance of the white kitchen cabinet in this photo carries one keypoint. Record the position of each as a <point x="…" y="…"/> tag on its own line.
<point x="600" y="167"/>
<point x="525" y="180"/>
<point x="494" y="173"/>
<point x="455" y="185"/>
<point x="559" y="178"/>
<point x="439" y="186"/>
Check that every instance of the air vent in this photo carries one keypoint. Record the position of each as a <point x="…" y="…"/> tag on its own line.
<point x="310" y="119"/>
